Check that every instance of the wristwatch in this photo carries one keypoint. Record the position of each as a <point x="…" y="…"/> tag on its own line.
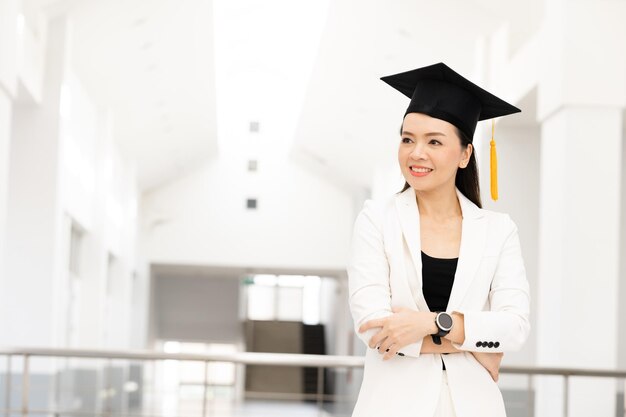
<point x="444" y="324"/>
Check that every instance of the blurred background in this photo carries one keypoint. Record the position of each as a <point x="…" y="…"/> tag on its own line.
<point x="179" y="181"/>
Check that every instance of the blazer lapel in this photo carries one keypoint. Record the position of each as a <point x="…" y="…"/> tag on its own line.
<point x="473" y="240"/>
<point x="408" y="213"/>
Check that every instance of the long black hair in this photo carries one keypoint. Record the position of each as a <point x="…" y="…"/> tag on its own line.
<point x="466" y="178"/>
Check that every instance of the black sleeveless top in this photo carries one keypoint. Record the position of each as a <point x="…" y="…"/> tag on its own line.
<point x="437" y="280"/>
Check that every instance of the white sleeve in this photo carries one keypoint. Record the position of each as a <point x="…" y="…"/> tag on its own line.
<point x="368" y="276"/>
<point x="506" y="326"/>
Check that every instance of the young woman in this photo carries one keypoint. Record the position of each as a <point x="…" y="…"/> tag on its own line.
<point x="438" y="288"/>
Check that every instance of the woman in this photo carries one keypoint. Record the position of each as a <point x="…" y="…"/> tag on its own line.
<point x="438" y="288"/>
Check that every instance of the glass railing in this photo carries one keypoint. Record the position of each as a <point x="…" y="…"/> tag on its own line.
<point x="77" y="382"/>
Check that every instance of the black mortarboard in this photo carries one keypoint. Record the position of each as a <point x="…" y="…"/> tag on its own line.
<point x="439" y="91"/>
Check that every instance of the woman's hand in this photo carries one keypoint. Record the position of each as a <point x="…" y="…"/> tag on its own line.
<point x="491" y="362"/>
<point x="404" y="327"/>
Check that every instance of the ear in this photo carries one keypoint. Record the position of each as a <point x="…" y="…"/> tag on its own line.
<point x="467" y="153"/>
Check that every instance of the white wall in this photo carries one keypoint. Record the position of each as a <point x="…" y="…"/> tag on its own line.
<point x="8" y="77"/>
<point x="518" y="195"/>
<point x="31" y="51"/>
<point x="65" y="169"/>
<point x="33" y="212"/>
<point x="99" y="194"/>
<point x="8" y="46"/>
<point x="301" y="221"/>
<point x="5" y="138"/>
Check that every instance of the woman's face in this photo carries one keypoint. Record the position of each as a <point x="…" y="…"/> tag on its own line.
<point x="430" y="152"/>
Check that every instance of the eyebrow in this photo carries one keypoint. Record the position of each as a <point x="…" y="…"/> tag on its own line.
<point x="427" y="134"/>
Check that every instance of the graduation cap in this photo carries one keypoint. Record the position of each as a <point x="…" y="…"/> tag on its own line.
<point x="440" y="92"/>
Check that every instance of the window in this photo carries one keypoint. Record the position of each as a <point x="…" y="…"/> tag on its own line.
<point x="283" y="297"/>
<point x="180" y="384"/>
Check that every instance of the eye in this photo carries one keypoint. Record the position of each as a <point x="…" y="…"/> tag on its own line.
<point x="406" y="140"/>
<point x="435" y="140"/>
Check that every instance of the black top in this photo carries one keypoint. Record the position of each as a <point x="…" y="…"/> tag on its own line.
<point x="437" y="280"/>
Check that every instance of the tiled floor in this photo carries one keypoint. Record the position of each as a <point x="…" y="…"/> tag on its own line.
<point x="257" y="408"/>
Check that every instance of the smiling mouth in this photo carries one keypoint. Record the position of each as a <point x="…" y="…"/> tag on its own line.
<point x="420" y="169"/>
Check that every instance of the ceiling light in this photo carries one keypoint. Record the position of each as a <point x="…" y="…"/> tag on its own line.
<point x="147" y="45"/>
<point x="140" y="21"/>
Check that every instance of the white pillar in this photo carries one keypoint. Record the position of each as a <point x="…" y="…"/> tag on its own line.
<point x="577" y="302"/>
<point x="581" y="98"/>
<point x="8" y="84"/>
<point x="5" y="139"/>
<point x="30" y="309"/>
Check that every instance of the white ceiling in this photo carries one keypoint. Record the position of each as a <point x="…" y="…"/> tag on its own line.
<point x="152" y="63"/>
<point x="349" y="117"/>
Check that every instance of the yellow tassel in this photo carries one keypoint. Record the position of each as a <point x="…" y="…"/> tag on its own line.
<point x="494" y="164"/>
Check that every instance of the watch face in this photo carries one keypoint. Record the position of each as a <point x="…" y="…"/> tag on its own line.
<point x="444" y="320"/>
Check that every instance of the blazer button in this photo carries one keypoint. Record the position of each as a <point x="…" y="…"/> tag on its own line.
<point x="479" y="344"/>
<point x="497" y="344"/>
<point x="490" y="344"/>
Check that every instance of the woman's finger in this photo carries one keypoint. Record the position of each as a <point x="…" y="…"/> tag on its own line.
<point x="377" y="339"/>
<point x="385" y="345"/>
<point x="391" y="353"/>
<point x="371" y="324"/>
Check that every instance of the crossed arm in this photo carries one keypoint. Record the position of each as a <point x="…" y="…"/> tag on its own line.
<point x="405" y="325"/>
<point x="408" y="331"/>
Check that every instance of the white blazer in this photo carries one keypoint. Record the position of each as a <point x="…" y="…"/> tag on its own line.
<point x="490" y="288"/>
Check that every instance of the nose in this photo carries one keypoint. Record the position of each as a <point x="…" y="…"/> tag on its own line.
<point x="418" y="152"/>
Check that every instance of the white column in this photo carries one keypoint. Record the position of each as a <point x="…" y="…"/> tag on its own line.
<point x="8" y="84"/>
<point x="581" y="98"/>
<point x="30" y="307"/>
<point x="5" y="139"/>
<point x="577" y="303"/>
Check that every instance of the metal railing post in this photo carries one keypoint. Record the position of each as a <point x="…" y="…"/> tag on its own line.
<point x="57" y="382"/>
<point x="153" y="394"/>
<point x="123" y="392"/>
<point x="25" y="386"/>
<point x="320" y="390"/>
<point x="205" y="388"/>
<point x="108" y="375"/>
<point x="7" y="394"/>
<point x="565" y="395"/>
<point x="529" y="399"/>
